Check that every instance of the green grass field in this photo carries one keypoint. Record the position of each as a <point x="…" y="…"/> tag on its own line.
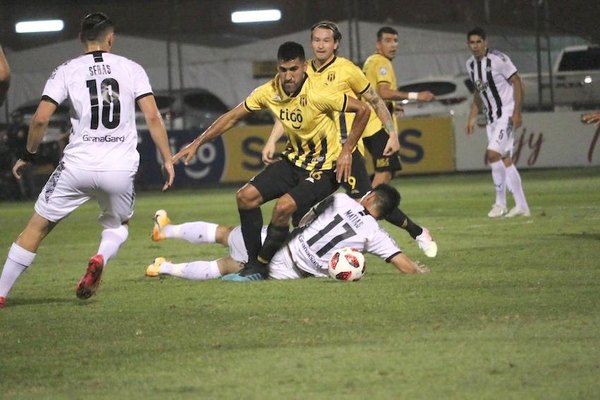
<point x="511" y="309"/>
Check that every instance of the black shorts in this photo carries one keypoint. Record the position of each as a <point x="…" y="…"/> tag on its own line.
<point x="375" y="144"/>
<point x="359" y="182"/>
<point x="307" y="188"/>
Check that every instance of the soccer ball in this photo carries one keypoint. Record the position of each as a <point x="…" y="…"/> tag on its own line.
<point x="347" y="264"/>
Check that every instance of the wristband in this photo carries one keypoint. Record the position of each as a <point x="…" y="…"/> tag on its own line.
<point x="27" y="156"/>
<point x="413" y="95"/>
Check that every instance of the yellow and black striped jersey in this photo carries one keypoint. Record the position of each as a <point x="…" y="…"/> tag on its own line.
<point x="342" y="75"/>
<point x="308" y="119"/>
<point x="379" y="69"/>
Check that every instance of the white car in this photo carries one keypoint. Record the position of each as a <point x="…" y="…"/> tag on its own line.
<point x="453" y="95"/>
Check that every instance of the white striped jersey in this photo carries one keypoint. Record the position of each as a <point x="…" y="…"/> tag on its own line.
<point x="103" y="89"/>
<point x="491" y="75"/>
<point x="343" y="223"/>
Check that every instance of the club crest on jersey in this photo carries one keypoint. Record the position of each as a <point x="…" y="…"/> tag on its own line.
<point x="302" y="100"/>
<point x="481" y="86"/>
<point x="383" y="71"/>
<point x="331" y="76"/>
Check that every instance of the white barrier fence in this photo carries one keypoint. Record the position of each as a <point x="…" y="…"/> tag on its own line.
<point x="546" y="140"/>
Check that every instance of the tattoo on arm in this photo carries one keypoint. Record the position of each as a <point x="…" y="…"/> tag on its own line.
<point x="380" y="108"/>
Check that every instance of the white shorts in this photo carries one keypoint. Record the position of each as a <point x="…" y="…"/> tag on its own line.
<point x="500" y="136"/>
<point x="68" y="188"/>
<point x="280" y="267"/>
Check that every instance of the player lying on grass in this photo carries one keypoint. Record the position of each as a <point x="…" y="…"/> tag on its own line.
<point x="338" y="221"/>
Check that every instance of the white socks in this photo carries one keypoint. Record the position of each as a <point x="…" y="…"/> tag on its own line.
<point x="513" y="182"/>
<point x="111" y="240"/>
<point x="195" y="270"/>
<point x="193" y="232"/>
<point x="499" y="178"/>
<point x="17" y="261"/>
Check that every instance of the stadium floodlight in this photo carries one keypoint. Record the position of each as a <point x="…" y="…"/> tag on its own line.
<point x="50" y="25"/>
<point x="243" y="17"/>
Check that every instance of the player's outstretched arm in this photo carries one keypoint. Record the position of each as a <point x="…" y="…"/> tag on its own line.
<point x="408" y="266"/>
<point x="591" y="118"/>
<point x="217" y="128"/>
<point x="388" y="93"/>
<point x="158" y="133"/>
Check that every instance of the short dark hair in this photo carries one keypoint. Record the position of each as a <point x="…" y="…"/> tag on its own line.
<point x="290" y="51"/>
<point x="386" y="29"/>
<point x="477" y="31"/>
<point x="94" y="26"/>
<point x="332" y="26"/>
<point x="387" y="199"/>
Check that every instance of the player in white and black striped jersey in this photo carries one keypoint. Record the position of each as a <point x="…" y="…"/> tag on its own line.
<point x="499" y="96"/>
<point x="336" y="222"/>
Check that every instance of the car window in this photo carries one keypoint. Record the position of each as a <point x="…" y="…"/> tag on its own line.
<point x="205" y="101"/>
<point x="26" y="111"/>
<point x="438" y="88"/>
<point x="580" y="60"/>
<point x="162" y="102"/>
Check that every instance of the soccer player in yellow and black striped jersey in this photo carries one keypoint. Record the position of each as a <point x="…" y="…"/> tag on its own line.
<point x="315" y="160"/>
<point x="329" y="71"/>
<point x="380" y="73"/>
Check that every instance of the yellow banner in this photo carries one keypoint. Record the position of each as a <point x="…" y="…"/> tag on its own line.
<point x="427" y="146"/>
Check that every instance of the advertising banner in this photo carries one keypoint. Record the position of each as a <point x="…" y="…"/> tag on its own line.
<point x="546" y="140"/>
<point x="427" y="146"/>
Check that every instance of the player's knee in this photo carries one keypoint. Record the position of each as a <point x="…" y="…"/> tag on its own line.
<point x="248" y="198"/>
<point x="283" y="210"/>
<point x="222" y="234"/>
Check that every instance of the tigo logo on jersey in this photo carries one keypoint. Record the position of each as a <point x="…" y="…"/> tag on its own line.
<point x="295" y="116"/>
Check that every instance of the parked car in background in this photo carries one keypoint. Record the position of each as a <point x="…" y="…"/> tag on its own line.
<point x="575" y="81"/>
<point x="185" y="109"/>
<point x="453" y="95"/>
<point x="55" y="138"/>
<point x="194" y="109"/>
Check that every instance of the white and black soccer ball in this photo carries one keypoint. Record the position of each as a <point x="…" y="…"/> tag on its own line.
<point x="347" y="264"/>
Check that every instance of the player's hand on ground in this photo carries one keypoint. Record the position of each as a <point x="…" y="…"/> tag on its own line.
<point x="421" y="268"/>
<point x="186" y="154"/>
<point x="425" y="96"/>
<point x="169" y="171"/>
<point x="343" y="166"/>
<point x="268" y="153"/>
<point x="17" y="168"/>
<point x="392" y="146"/>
